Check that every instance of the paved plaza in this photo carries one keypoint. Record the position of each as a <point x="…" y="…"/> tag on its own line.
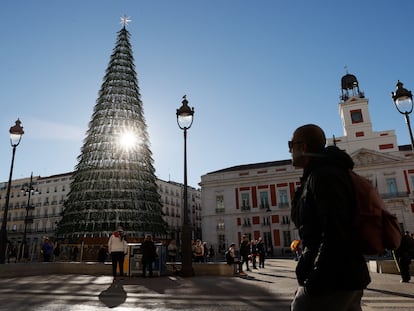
<point x="270" y="288"/>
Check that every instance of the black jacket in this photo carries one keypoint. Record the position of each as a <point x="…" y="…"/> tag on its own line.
<point x="245" y="248"/>
<point x="322" y="210"/>
<point x="149" y="252"/>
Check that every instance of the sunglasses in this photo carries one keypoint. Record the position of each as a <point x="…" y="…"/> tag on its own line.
<point x="291" y="143"/>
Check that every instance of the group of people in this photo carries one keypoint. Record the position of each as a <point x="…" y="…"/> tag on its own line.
<point x="51" y="251"/>
<point x="118" y="248"/>
<point x="253" y="251"/>
<point x="201" y="253"/>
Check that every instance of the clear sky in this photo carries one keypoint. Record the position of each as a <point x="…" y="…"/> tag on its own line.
<point x="252" y="70"/>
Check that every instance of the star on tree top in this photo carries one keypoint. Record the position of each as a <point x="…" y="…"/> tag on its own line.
<point x="125" y="20"/>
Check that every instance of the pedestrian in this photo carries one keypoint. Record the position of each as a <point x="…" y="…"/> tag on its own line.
<point x="102" y="254"/>
<point x="56" y="252"/>
<point x="149" y="254"/>
<point x="198" y="251"/>
<point x="211" y="253"/>
<point x="205" y="252"/>
<point x="403" y="256"/>
<point x="47" y="250"/>
<point x="331" y="272"/>
<point x="75" y="251"/>
<point x="261" y="250"/>
<point x="245" y="252"/>
<point x="296" y="249"/>
<point x="253" y="247"/>
<point x="232" y="259"/>
<point x="172" y="251"/>
<point x="118" y="248"/>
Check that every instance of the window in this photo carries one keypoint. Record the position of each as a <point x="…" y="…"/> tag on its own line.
<point x="283" y="198"/>
<point x="219" y="204"/>
<point x="245" y="198"/>
<point x="246" y="222"/>
<point x="285" y="220"/>
<point x="220" y="224"/>
<point x="356" y="116"/>
<point x="264" y="200"/>
<point x="391" y="185"/>
<point x="221" y="240"/>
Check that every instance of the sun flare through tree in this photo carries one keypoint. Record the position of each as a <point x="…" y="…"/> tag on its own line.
<point x="114" y="182"/>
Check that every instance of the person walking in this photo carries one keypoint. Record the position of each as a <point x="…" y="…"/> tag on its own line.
<point x="253" y="247"/>
<point x="118" y="247"/>
<point x="245" y="252"/>
<point x="149" y="254"/>
<point x="331" y="272"/>
<point x="261" y="250"/>
<point x="403" y="254"/>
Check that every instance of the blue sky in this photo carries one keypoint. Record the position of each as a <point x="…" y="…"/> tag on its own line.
<point x="252" y="70"/>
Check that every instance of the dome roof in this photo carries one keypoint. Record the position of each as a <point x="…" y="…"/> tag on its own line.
<point x="348" y="82"/>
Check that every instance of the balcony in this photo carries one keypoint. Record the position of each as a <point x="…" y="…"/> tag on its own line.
<point x="394" y="195"/>
<point x="219" y="210"/>
<point x="245" y="208"/>
<point x="264" y="206"/>
<point x="284" y="205"/>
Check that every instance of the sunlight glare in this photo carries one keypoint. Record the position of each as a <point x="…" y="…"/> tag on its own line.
<point x="127" y="140"/>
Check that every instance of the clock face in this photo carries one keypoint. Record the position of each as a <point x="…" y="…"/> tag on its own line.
<point x="356" y="116"/>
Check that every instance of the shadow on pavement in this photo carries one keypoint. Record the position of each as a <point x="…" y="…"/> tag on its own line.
<point x="387" y="292"/>
<point x="114" y="295"/>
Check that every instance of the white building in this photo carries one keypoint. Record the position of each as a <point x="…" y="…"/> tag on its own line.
<point x="254" y="199"/>
<point x="48" y="194"/>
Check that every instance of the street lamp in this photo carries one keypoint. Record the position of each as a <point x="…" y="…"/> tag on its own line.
<point x="16" y="133"/>
<point x="29" y="190"/>
<point x="185" y="120"/>
<point x="403" y="100"/>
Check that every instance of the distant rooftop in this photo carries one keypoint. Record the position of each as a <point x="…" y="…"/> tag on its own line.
<point x="253" y="166"/>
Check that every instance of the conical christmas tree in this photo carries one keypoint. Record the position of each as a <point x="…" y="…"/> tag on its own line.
<point x="114" y="182"/>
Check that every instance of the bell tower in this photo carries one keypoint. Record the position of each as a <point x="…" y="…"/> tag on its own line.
<point x="353" y="108"/>
<point x="356" y="122"/>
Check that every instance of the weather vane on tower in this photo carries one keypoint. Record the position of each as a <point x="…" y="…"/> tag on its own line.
<point x="125" y="20"/>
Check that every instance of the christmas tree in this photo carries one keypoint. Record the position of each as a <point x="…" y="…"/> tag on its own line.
<point x="114" y="182"/>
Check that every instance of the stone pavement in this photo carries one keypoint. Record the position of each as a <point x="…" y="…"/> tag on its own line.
<point x="270" y="288"/>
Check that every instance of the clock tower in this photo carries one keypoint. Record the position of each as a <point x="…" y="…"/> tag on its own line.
<point x="356" y="122"/>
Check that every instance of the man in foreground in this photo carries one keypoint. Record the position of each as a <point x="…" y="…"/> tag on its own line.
<point x="331" y="271"/>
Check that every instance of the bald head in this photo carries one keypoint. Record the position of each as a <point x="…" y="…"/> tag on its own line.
<point x="312" y="135"/>
<point x="307" y="142"/>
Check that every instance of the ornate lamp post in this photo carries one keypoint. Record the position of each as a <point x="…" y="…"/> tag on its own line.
<point x="16" y="133"/>
<point x="403" y="100"/>
<point x="185" y="120"/>
<point x="29" y="190"/>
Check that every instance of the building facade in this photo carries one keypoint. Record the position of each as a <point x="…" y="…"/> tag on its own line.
<point x="254" y="199"/>
<point x="44" y="210"/>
